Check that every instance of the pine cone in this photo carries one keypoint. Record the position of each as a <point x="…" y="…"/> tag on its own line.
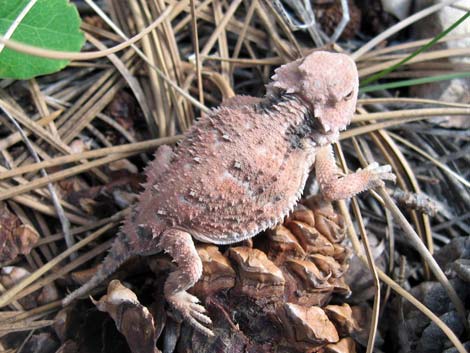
<point x="273" y="295"/>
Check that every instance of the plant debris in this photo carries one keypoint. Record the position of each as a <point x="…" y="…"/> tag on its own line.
<point x="15" y="238"/>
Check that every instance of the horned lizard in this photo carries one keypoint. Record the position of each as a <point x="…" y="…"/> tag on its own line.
<point x="240" y="170"/>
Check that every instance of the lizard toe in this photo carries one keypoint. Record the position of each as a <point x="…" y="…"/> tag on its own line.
<point x="372" y="166"/>
<point x="192" y="313"/>
<point x="380" y="173"/>
<point x="202" y="318"/>
<point x="200" y="327"/>
<point x="198" y="320"/>
<point x="389" y="176"/>
<point x="198" y="308"/>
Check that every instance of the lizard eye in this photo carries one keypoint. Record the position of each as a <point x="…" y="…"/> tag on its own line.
<point x="349" y="96"/>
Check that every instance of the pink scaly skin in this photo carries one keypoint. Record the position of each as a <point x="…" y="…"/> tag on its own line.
<point x="240" y="170"/>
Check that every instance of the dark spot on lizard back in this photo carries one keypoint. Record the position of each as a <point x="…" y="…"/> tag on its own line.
<point x="295" y="134"/>
<point x="266" y="106"/>
<point x="133" y="214"/>
<point x="144" y="233"/>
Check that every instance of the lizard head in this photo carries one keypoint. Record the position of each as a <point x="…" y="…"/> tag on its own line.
<point x="326" y="82"/>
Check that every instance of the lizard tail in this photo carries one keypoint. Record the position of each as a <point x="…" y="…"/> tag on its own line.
<point x="117" y="255"/>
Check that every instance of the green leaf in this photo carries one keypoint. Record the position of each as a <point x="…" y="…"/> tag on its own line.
<point x="49" y="24"/>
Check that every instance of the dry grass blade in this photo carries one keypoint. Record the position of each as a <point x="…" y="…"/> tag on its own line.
<point x="36" y="312"/>
<point x="222" y="38"/>
<point x="78" y="261"/>
<point x="370" y="261"/>
<point x="397" y="288"/>
<point x="214" y="36"/>
<point x="361" y="130"/>
<point x="399" y="26"/>
<point x="241" y="38"/>
<point x="41" y="105"/>
<point x="408" y="113"/>
<point x="32" y="125"/>
<point x="24" y="326"/>
<point x="285" y="28"/>
<point x="423" y="251"/>
<point x="159" y="72"/>
<point x="11" y="139"/>
<point x="432" y="55"/>
<point x="130" y="79"/>
<point x="55" y="198"/>
<point x="40" y="182"/>
<point x="401" y="100"/>
<point x="40" y="206"/>
<point x="14" y="25"/>
<point x="280" y="44"/>
<point x="383" y="136"/>
<point x="17" y="112"/>
<point x="10" y="295"/>
<point x="56" y="54"/>
<point x="408" y="45"/>
<point x="78" y="230"/>
<point x="128" y="148"/>
<point x="196" y="50"/>
<point x="442" y="166"/>
<point x="14" y="304"/>
<point x="241" y="62"/>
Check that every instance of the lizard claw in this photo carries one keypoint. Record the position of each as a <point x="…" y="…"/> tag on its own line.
<point x="379" y="173"/>
<point x="187" y="305"/>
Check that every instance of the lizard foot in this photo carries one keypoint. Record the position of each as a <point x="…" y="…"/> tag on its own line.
<point x="378" y="173"/>
<point x="187" y="305"/>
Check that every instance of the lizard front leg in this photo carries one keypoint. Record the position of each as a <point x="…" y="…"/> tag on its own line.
<point x="335" y="186"/>
<point x="179" y="244"/>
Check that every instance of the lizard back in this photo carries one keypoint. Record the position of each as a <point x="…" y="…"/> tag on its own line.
<point x="238" y="171"/>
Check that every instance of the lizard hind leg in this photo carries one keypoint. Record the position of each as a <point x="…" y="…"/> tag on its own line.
<point x="117" y="255"/>
<point x="179" y="245"/>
